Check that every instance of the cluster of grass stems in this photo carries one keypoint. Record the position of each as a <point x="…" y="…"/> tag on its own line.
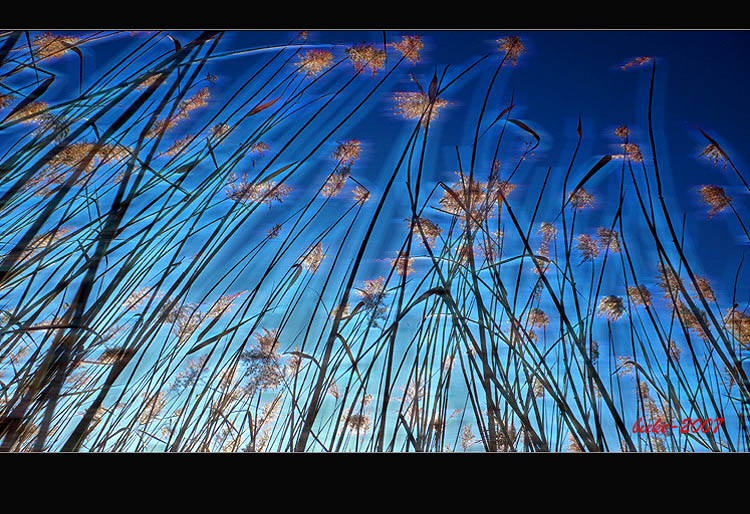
<point x="146" y="307"/>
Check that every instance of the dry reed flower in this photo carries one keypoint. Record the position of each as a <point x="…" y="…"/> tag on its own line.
<point x="6" y="100"/>
<point x="715" y="155"/>
<point x="48" y="45"/>
<point x="416" y="105"/>
<point x="366" y="56"/>
<point x="689" y="320"/>
<point x="153" y="406"/>
<point x="259" y="148"/>
<point x="625" y="366"/>
<point x="668" y="281"/>
<point x="403" y="264"/>
<point x="467" y="437"/>
<point x="342" y="310"/>
<point x="148" y="81"/>
<point x="608" y="240"/>
<point x="409" y="47"/>
<point x="622" y="132"/>
<point x="636" y="62"/>
<point x="313" y="62"/>
<point x="358" y="423"/>
<point x="424" y="226"/>
<point x="588" y="246"/>
<point x="312" y="259"/>
<point x="611" y="307"/>
<point x="739" y="324"/>
<point x="538" y="388"/>
<point x="178" y="146"/>
<point x="267" y="192"/>
<point x="219" y="130"/>
<point x="32" y="112"/>
<point x="716" y="198"/>
<point x="580" y="199"/>
<point x="274" y="231"/>
<point x="347" y="152"/>
<point x="548" y="232"/>
<point x="674" y="351"/>
<point x="469" y="200"/>
<point x="593" y="351"/>
<point x="704" y="288"/>
<point x="136" y="298"/>
<point x="335" y="182"/>
<point x="189" y="375"/>
<point x="361" y="195"/>
<point x="223" y="305"/>
<point x="373" y="295"/>
<point x="268" y="341"/>
<point x="631" y="151"/>
<point x="639" y="295"/>
<point x="573" y="445"/>
<point x="537" y="318"/>
<point x="513" y="48"/>
<point x="198" y="100"/>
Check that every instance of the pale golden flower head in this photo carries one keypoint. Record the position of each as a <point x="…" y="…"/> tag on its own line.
<point x="716" y="198"/>
<point x="608" y="239"/>
<point x="32" y="112"/>
<point x="358" y="423"/>
<point x="470" y="200"/>
<point x="223" y="305"/>
<point x="538" y="388"/>
<point x="580" y="199"/>
<point x="675" y="351"/>
<point x="632" y="151"/>
<point x="259" y="148"/>
<point x="416" y="105"/>
<point x="152" y="407"/>
<point x="219" y="130"/>
<point x="274" y="231"/>
<point x="347" y="152"/>
<point x="268" y="341"/>
<point x="738" y="324"/>
<point x="50" y="45"/>
<point x="373" y="293"/>
<point x="178" y="146"/>
<point x="704" y="287"/>
<point x="622" y="132"/>
<point x="366" y="56"/>
<point x="715" y="155"/>
<point x="424" y="226"/>
<point x="637" y="62"/>
<point x="312" y="259"/>
<point x="538" y="318"/>
<point x="361" y="195"/>
<point x="625" y="366"/>
<point x="267" y="192"/>
<point x="611" y="307"/>
<point x="513" y="48"/>
<point x="335" y="182"/>
<point x="687" y="317"/>
<point x="573" y="445"/>
<point x="639" y="295"/>
<point x="313" y="62"/>
<point x="146" y="82"/>
<point x="198" y="100"/>
<point x="668" y="281"/>
<point x="137" y="298"/>
<point x="403" y="264"/>
<point x="409" y="47"/>
<point x="588" y="246"/>
<point x="6" y="100"/>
